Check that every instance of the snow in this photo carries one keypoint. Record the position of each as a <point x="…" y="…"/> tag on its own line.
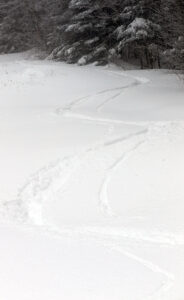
<point x="82" y="61"/>
<point x="140" y="28"/>
<point x="91" y="193"/>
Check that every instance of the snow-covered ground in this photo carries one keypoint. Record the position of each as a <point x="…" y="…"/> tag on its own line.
<point x="91" y="182"/>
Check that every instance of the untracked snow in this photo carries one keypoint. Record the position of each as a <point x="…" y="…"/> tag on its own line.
<point x="91" y="182"/>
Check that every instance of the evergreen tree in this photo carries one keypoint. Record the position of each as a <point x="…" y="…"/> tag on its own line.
<point x="139" y="34"/>
<point x="174" y="33"/>
<point x="20" y="27"/>
<point x="149" y="32"/>
<point x="85" y="28"/>
<point x="13" y="31"/>
<point x="100" y="31"/>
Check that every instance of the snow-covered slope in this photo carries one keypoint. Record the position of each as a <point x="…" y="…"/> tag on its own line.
<point x="91" y="182"/>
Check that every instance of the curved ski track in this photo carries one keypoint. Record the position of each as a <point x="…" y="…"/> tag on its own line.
<point x="44" y="183"/>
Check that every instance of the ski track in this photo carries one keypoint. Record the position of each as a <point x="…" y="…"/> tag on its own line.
<point x="80" y="100"/>
<point x="135" y="83"/>
<point x="167" y="283"/>
<point x="103" y="195"/>
<point x="43" y="184"/>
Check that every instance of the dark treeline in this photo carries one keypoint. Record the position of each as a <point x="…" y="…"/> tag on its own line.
<point x="147" y="32"/>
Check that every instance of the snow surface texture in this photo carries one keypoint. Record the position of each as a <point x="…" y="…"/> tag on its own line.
<point x="91" y="193"/>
